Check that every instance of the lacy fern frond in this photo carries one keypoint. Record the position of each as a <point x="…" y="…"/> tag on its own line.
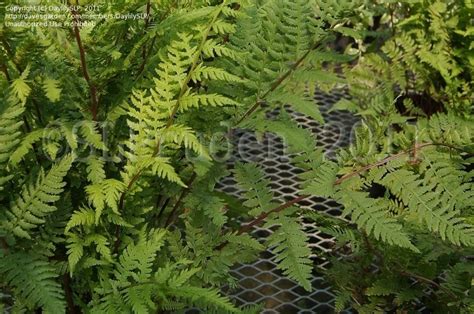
<point x="290" y="245"/>
<point x="259" y="197"/>
<point x="105" y="193"/>
<point x="371" y="215"/>
<point x="206" y="298"/>
<point x="10" y="124"/>
<point x="35" y="203"/>
<point x="34" y="281"/>
<point x="427" y="207"/>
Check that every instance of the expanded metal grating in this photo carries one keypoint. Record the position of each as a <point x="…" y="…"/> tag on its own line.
<point x="261" y="282"/>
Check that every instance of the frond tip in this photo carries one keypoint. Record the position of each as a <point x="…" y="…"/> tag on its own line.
<point x="291" y="251"/>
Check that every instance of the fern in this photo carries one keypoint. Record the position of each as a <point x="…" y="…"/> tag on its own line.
<point x="130" y="219"/>
<point x="25" y="146"/>
<point x="289" y="241"/>
<point x="291" y="251"/>
<point x="137" y="262"/>
<point x="10" y="131"/>
<point x="105" y="193"/>
<point x="35" y="202"/>
<point x="204" y="297"/>
<point x="20" y="88"/>
<point x="369" y="214"/>
<point x="428" y="208"/>
<point x="33" y="279"/>
<point x="252" y="179"/>
<point x="51" y="89"/>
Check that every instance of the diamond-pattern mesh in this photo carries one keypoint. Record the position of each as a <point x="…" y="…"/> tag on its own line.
<point x="261" y="282"/>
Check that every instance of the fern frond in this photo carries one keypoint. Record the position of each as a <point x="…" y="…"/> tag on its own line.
<point x="291" y="251"/>
<point x="212" y="206"/>
<point x="88" y="130"/>
<point x="183" y="135"/>
<point x="34" y="280"/>
<point x="206" y="298"/>
<point x="321" y="181"/>
<point x="105" y="193"/>
<point x="459" y="278"/>
<point x="35" y="203"/>
<point x="82" y="217"/>
<point x="299" y="103"/>
<point x="446" y="174"/>
<point x="19" y="86"/>
<point x="95" y="169"/>
<point x="75" y="251"/>
<point x="101" y="243"/>
<point x="138" y="258"/>
<point x="10" y="124"/>
<point x="426" y="206"/>
<point x="52" y="89"/>
<point x="203" y="72"/>
<point x="258" y="194"/>
<point x="195" y="101"/>
<point x="370" y="215"/>
<point x="297" y="139"/>
<point x="25" y="146"/>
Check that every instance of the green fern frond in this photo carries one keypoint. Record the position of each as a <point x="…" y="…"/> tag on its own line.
<point x="19" y="86"/>
<point x="95" y="169"/>
<point x="10" y="124"/>
<point x="446" y="174"/>
<point x="105" y="193"/>
<point x="35" y="203"/>
<point x="297" y="139"/>
<point x="88" y="130"/>
<point x="342" y="300"/>
<point x="321" y="181"/>
<point x="75" y="251"/>
<point x="52" y="89"/>
<point x="34" y="281"/>
<point x="459" y="278"/>
<point x="290" y="246"/>
<point x="425" y="205"/>
<point x="82" y="217"/>
<point x="206" y="298"/>
<point x="300" y="103"/>
<point x="203" y="72"/>
<point x="101" y="243"/>
<point x="25" y="146"/>
<point x="212" y="206"/>
<point x="195" y="101"/>
<point x="257" y="188"/>
<point x="370" y="215"/>
<point x="185" y="136"/>
<point x="138" y="258"/>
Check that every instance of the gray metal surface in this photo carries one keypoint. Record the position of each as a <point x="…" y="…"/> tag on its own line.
<point x="261" y="282"/>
